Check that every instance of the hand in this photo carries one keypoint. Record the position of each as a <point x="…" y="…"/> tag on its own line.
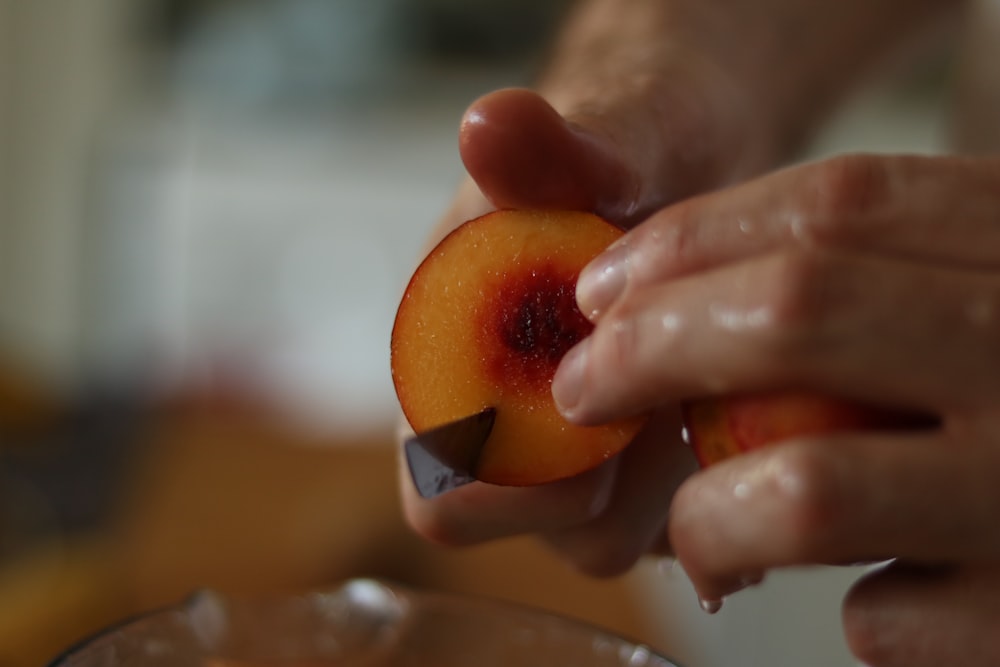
<point x="646" y="102"/>
<point x="656" y="100"/>
<point x="622" y="147"/>
<point x="874" y="278"/>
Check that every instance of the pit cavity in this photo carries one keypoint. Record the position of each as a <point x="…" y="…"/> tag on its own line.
<point x="532" y="321"/>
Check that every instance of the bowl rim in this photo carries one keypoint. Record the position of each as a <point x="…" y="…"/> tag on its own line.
<point x="399" y="590"/>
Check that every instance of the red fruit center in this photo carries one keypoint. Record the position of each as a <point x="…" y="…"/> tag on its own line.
<point x="535" y="319"/>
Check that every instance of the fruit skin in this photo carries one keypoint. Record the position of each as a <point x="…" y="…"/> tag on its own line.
<point x="718" y="428"/>
<point x="484" y="322"/>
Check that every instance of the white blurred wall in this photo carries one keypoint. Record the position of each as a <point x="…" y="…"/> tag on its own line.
<point x="6" y="73"/>
<point x="63" y="64"/>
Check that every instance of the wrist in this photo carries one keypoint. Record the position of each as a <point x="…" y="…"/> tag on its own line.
<point x="647" y="73"/>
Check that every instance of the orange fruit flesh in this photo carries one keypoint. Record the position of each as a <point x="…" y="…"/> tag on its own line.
<point x="484" y="323"/>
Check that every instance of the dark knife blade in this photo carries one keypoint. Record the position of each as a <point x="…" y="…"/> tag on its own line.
<point x="445" y="457"/>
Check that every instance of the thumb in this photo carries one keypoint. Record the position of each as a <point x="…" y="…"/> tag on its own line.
<point x="523" y="154"/>
<point x="620" y="157"/>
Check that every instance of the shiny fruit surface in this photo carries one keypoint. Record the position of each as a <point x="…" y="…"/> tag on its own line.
<point x="717" y="428"/>
<point x="484" y="322"/>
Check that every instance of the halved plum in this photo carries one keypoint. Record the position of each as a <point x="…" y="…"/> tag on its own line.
<point x="484" y="322"/>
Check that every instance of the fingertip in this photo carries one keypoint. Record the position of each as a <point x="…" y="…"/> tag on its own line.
<point x="523" y="154"/>
<point x="505" y="103"/>
<point x="506" y="124"/>
<point x="510" y="141"/>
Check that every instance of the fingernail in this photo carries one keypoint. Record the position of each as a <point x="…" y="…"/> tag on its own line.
<point x="567" y="385"/>
<point x="710" y="606"/>
<point x="602" y="281"/>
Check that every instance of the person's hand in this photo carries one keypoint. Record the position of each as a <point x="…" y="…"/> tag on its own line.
<point x="872" y="278"/>
<point x="644" y="103"/>
<point x="622" y="146"/>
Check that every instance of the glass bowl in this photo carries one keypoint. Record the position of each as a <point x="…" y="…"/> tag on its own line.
<point x="364" y="622"/>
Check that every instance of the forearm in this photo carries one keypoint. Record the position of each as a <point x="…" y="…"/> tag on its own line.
<point x="779" y="66"/>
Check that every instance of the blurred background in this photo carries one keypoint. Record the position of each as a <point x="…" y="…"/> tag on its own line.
<point x="208" y="209"/>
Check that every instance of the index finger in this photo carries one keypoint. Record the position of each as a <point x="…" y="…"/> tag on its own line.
<point x="939" y="209"/>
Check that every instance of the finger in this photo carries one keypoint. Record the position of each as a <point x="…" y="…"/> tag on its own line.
<point x="929" y="498"/>
<point x="481" y="512"/>
<point x="523" y="154"/>
<point x="620" y="152"/>
<point x="903" y="616"/>
<point x="942" y="209"/>
<point x="828" y="321"/>
<point x="591" y="153"/>
<point x="635" y="519"/>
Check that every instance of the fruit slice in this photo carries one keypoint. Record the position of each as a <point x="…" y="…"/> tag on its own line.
<point x="718" y="428"/>
<point x="484" y="322"/>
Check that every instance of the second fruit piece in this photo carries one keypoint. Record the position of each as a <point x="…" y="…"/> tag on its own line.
<point x="718" y="428"/>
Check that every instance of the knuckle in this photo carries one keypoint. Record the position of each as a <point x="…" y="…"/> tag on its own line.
<point x="792" y="285"/>
<point x="618" y="339"/>
<point x="672" y="237"/>
<point x="843" y="192"/>
<point x="632" y="339"/>
<point x="812" y="500"/>
<point x="794" y="294"/>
